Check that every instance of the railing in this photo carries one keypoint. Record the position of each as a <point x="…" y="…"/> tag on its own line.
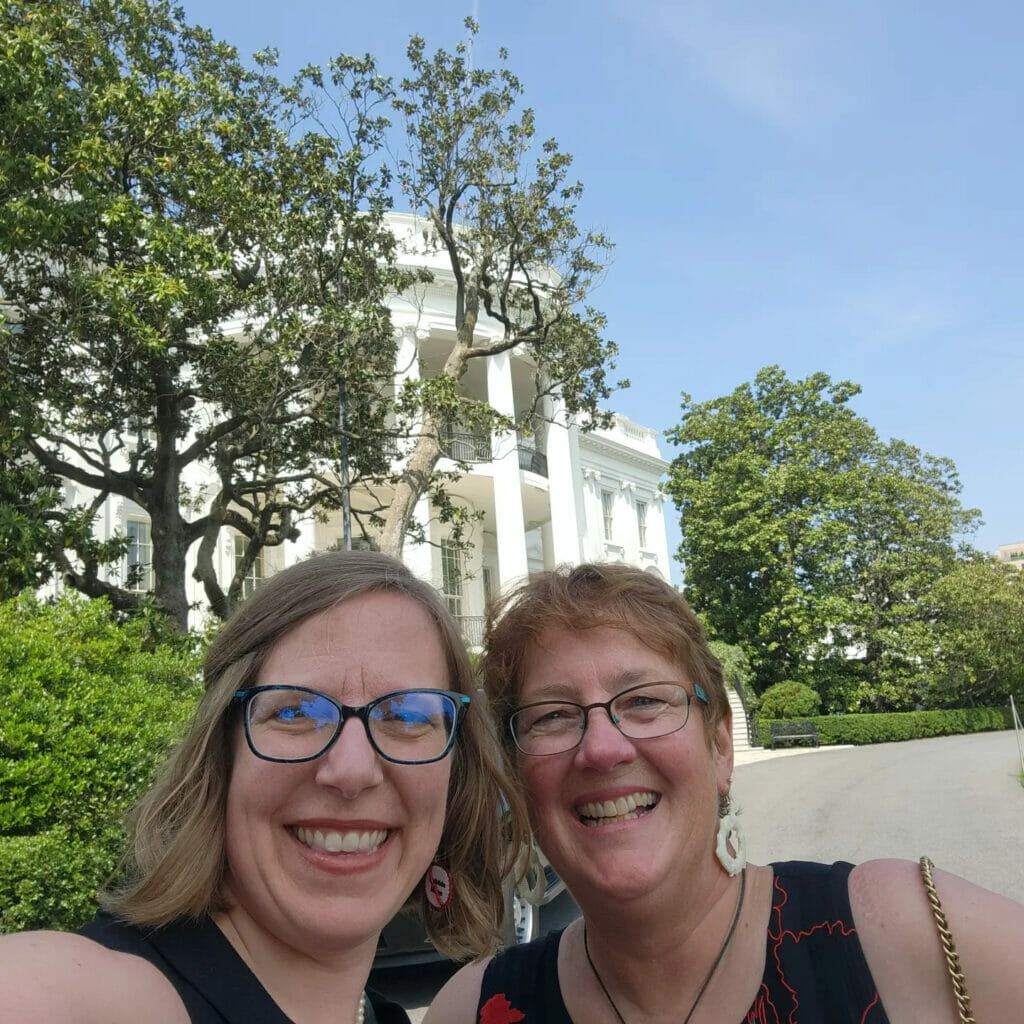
<point x="464" y="445"/>
<point x="472" y="629"/>
<point x="532" y="460"/>
<point x="1018" y="729"/>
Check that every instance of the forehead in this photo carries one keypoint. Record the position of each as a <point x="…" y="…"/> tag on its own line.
<point x="382" y="638"/>
<point x="563" y="662"/>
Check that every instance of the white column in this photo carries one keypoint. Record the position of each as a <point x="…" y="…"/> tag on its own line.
<point x="303" y="546"/>
<point x="508" y="500"/>
<point x="565" y="489"/>
<point x="419" y="557"/>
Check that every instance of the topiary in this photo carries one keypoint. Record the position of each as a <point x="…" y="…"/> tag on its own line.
<point x="789" y="700"/>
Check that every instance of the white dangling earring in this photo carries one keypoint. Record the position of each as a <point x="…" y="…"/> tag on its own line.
<point x="729" y="834"/>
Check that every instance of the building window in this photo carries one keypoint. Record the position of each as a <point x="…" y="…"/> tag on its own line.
<point x="138" y="559"/>
<point x="254" y="574"/>
<point x="451" y="576"/>
<point x="488" y="584"/>
<point x="641" y="522"/>
<point x="607" y="504"/>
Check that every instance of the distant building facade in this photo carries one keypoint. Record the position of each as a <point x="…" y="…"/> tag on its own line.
<point x="1011" y="553"/>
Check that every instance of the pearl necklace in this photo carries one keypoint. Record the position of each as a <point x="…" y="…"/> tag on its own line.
<point x="361" y="1010"/>
<point x="707" y="979"/>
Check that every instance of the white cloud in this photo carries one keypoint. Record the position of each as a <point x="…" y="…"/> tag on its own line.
<point x="787" y="64"/>
<point x="897" y="316"/>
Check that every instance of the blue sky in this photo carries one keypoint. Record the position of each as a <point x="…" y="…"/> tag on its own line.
<point x="827" y="186"/>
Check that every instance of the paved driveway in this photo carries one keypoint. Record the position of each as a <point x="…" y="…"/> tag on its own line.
<point x="956" y="798"/>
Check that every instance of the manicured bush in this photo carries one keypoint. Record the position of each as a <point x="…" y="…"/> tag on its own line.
<point x="886" y="727"/>
<point x="789" y="700"/>
<point x="91" y="707"/>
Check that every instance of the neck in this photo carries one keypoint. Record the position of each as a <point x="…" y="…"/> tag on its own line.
<point x="327" y="988"/>
<point x="655" y="968"/>
<point x="674" y="924"/>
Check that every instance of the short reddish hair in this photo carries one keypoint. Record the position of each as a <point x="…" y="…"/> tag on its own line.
<point x="588" y="596"/>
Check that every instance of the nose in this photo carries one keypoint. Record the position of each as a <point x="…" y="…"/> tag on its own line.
<point x="603" y="746"/>
<point x="350" y="765"/>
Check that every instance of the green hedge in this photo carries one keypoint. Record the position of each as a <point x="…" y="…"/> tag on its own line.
<point x="90" y="708"/>
<point x="885" y="727"/>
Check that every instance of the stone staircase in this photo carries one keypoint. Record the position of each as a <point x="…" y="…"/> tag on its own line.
<point x="740" y="737"/>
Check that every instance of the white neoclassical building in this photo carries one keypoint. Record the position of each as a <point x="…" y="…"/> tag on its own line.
<point x="555" y="495"/>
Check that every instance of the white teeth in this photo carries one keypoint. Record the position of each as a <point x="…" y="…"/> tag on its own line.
<point x="341" y="842"/>
<point x="624" y="808"/>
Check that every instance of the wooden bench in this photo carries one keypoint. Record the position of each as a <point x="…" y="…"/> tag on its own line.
<point x="792" y="732"/>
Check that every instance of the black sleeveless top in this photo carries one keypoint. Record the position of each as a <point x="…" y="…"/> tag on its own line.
<point x="212" y="980"/>
<point x="814" y="970"/>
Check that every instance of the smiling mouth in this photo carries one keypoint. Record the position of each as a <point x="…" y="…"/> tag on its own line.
<point x="624" y="808"/>
<point x="340" y="842"/>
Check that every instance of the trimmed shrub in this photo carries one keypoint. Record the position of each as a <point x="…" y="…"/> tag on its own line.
<point x="789" y="700"/>
<point x="887" y="727"/>
<point x="91" y="707"/>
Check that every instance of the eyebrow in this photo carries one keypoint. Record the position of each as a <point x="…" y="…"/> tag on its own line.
<point x="623" y="681"/>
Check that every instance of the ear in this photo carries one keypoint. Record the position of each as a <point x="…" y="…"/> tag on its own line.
<point x="721" y="752"/>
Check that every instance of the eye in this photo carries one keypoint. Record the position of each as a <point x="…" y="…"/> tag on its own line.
<point x="549" y="717"/>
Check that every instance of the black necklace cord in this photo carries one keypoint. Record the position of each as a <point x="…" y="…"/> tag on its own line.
<point x="708" y="977"/>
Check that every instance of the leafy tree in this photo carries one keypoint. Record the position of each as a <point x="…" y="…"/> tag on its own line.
<point x="91" y="707"/>
<point x="27" y="494"/>
<point x="761" y="472"/>
<point x="192" y="263"/>
<point x="901" y="524"/>
<point x="809" y="541"/>
<point x="501" y="209"/>
<point x="972" y="654"/>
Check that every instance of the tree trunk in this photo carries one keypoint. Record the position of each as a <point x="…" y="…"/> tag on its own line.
<point x="412" y="485"/>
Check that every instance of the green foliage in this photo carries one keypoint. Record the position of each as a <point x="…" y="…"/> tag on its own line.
<point x="973" y="651"/>
<point x="789" y="700"/>
<point x="27" y="494"/>
<point x="92" y="706"/>
<point x="735" y="668"/>
<point x="807" y="540"/>
<point x="192" y="260"/>
<point x="888" y="727"/>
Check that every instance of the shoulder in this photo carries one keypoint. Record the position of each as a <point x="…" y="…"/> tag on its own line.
<point x="901" y="942"/>
<point x="457" y="1001"/>
<point x="47" y="976"/>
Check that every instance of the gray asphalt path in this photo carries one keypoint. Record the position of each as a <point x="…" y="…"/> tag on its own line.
<point x="957" y="799"/>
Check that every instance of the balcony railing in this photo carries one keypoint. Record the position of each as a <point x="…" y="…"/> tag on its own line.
<point x="472" y="629"/>
<point x="532" y="460"/>
<point x="465" y="445"/>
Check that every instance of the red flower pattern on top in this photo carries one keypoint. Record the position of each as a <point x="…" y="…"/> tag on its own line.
<point x="498" y="1010"/>
<point x="764" y="1010"/>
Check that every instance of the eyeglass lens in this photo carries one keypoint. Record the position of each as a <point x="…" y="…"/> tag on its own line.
<point x="296" y="725"/>
<point x="641" y="712"/>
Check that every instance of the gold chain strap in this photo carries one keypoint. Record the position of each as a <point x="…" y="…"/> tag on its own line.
<point x="963" y="1000"/>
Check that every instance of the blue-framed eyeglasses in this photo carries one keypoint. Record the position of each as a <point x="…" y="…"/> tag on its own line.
<point x="291" y="724"/>
<point x="641" y="712"/>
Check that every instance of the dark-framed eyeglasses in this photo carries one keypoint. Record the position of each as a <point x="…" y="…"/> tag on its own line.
<point x="291" y="724"/>
<point x="640" y="713"/>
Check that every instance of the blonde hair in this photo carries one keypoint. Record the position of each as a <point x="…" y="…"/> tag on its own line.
<point x="176" y="860"/>
<point x="585" y="597"/>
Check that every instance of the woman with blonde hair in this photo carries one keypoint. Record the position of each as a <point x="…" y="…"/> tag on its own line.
<point x="614" y="716"/>
<point x="334" y="766"/>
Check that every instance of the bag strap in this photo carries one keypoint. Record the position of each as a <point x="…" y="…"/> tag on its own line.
<point x="956" y="974"/>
